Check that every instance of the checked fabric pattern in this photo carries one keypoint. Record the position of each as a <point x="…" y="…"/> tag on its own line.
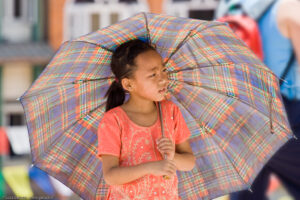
<point x="229" y="99"/>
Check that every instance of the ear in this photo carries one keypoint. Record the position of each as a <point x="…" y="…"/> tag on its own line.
<point x="127" y="84"/>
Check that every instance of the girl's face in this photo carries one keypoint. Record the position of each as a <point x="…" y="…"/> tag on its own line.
<point x="150" y="79"/>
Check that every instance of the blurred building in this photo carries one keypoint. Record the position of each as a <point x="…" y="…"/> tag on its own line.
<point x="24" y="52"/>
<point x="83" y="16"/>
<point x="32" y="30"/>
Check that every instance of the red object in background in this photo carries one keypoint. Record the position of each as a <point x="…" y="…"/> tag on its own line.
<point x="274" y="184"/>
<point x="4" y="144"/>
<point x="247" y="29"/>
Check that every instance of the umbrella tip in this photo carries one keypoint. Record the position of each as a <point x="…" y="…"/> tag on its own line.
<point x="295" y="137"/>
<point x="250" y="190"/>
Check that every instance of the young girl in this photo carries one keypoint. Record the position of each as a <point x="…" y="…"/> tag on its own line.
<point x="130" y="142"/>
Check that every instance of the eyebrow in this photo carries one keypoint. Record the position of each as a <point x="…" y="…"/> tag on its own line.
<point x="154" y="68"/>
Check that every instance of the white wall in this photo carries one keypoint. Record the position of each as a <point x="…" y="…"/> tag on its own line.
<point x="18" y="29"/>
<point x="17" y="77"/>
<point x="78" y="17"/>
<point x="78" y="20"/>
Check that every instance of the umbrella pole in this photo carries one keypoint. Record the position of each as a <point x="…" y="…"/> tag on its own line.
<point x="162" y="131"/>
<point x="161" y="120"/>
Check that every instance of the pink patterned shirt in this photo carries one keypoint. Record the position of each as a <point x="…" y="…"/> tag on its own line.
<point x="134" y="144"/>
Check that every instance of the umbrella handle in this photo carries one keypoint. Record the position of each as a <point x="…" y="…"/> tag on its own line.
<point x="165" y="176"/>
<point x="162" y="132"/>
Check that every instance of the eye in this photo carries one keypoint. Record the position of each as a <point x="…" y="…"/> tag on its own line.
<point x="165" y="69"/>
<point x="152" y="75"/>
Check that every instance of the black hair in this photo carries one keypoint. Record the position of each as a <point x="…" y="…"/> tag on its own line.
<point x="123" y="66"/>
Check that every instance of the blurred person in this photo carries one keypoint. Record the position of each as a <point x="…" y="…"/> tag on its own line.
<point x="155" y="6"/>
<point x="280" y="29"/>
<point x="63" y="192"/>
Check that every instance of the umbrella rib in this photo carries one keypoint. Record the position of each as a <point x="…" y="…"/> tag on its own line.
<point x="225" y="94"/>
<point x="73" y="124"/>
<point x="185" y="40"/>
<point x="244" y="64"/>
<point x="221" y="65"/>
<point x="147" y="28"/>
<point x="189" y="35"/>
<point x="74" y="82"/>
<point x="107" y="49"/>
<point x="178" y="100"/>
<point x="181" y="43"/>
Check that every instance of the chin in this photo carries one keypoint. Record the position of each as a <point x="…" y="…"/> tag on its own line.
<point x="161" y="98"/>
<point x="157" y="97"/>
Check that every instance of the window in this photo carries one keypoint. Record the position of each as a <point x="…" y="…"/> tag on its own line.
<point x="202" y="14"/>
<point x="17" y="8"/>
<point x="128" y="1"/>
<point x="84" y="1"/>
<point x="114" y="18"/>
<point x="95" y="21"/>
<point x="15" y="119"/>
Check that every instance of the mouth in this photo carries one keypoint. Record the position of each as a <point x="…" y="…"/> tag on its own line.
<point x="162" y="90"/>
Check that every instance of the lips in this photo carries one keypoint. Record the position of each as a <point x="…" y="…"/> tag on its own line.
<point x="162" y="90"/>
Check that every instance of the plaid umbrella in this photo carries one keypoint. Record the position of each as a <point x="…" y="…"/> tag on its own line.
<point x="231" y="103"/>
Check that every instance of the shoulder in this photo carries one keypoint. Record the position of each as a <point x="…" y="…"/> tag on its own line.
<point x="288" y="15"/>
<point x="170" y="106"/>
<point x="289" y="8"/>
<point x="113" y="116"/>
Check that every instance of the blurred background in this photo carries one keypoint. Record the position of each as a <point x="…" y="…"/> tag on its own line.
<point x="31" y="31"/>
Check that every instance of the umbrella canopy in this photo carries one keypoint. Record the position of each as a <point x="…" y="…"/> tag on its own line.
<point x="230" y="101"/>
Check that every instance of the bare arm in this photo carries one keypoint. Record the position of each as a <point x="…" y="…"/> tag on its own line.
<point x="184" y="157"/>
<point x="289" y="23"/>
<point x="116" y="175"/>
<point x="182" y="153"/>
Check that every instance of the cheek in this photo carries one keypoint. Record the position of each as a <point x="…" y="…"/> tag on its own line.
<point x="147" y="87"/>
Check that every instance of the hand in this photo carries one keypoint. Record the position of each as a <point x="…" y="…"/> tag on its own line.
<point x="166" y="147"/>
<point x="163" y="168"/>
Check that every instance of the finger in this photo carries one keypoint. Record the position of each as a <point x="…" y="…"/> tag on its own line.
<point x="165" y="154"/>
<point x="166" y="151"/>
<point x="161" y="152"/>
<point x="164" y="139"/>
<point x="174" y="167"/>
<point x="165" y="143"/>
<point x="160" y="140"/>
<point x="167" y="148"/>
<point x="171" y="172"/>
<point x="173" y="164"/>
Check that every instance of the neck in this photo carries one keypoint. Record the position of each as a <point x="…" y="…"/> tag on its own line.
<point x="136" y="104"/>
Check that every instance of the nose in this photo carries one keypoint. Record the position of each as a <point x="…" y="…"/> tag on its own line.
<point x="163" y="78"/>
